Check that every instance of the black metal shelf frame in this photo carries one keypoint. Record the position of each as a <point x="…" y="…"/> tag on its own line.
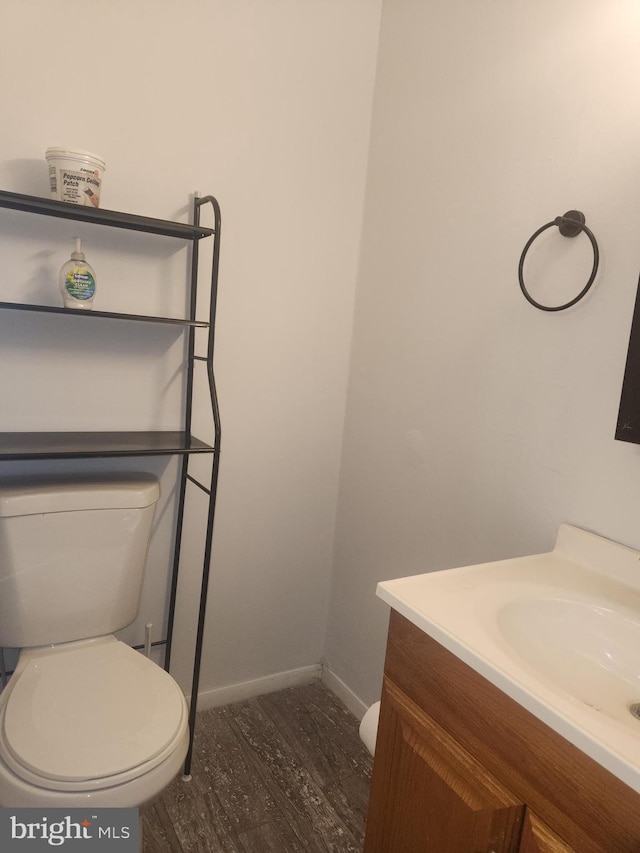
<point x="68" y="445"/>
<point x="186" y="477"/>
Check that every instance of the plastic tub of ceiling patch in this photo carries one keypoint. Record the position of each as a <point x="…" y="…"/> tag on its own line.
<point x="75" y="176"/>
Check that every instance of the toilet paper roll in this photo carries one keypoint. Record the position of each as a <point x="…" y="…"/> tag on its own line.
<point x="369" y="727"/>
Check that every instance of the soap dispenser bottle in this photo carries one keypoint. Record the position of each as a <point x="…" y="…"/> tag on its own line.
<point x="77" y="280"/>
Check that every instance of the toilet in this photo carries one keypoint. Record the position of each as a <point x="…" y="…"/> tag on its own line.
<point x="84" y="719"/>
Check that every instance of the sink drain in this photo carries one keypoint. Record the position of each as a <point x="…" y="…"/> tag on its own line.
<point x="635" y="710"/>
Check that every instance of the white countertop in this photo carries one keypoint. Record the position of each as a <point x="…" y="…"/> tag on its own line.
<point x="482" y="613"/>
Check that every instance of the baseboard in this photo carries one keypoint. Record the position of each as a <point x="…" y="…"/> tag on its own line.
<point x="258" y="687"/>
<point x="279" y="681"/>
<point x="344" y="693"/>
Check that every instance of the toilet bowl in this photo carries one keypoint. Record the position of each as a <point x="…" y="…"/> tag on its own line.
<point x="85" y="719"/>
<point x="90" y="722"/>
<point x="369" y="727"/>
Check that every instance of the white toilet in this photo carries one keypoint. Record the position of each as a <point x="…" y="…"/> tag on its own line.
<point x="84" y="719"/>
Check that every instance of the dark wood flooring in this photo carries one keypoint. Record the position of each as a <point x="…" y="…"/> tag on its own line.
<point x="285" y="772"/>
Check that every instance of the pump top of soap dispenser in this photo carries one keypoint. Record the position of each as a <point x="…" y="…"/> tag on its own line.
<point x="78" y="255"/>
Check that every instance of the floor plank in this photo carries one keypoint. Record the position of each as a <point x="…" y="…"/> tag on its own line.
<point x="285" y="772"/>
<point x="289" y="782"/>
<point x="322" y="731"/>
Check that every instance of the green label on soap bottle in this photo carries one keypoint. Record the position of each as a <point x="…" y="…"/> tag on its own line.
<point x="80" y="284"/>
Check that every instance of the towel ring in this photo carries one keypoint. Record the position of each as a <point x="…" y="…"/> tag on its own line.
<point x="569" y="225"/>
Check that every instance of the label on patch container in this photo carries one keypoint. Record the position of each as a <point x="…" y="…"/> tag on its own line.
<point x="80" y="187"/>
<point x="53" y="180"/>
<point x="80" y="284"/>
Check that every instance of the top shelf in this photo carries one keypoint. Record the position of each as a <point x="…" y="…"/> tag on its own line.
<point x="98" y="216"/>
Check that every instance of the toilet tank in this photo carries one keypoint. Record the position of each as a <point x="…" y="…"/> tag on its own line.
<point x="72" y="556"/>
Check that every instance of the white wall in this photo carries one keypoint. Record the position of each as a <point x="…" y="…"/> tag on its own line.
<point x="476" y="424"/>
<point x="267" y="106"/>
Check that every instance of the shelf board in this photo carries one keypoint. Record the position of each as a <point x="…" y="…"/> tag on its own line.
<point x="71" y="445"/>
<point x="99" y="216"/>
<point x="79" y="312"/>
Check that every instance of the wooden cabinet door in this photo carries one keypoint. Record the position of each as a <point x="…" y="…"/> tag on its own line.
<point x="537" y="837"/>
<point x="429" y="795"/>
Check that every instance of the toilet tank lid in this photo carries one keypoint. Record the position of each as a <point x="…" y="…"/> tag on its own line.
<point x="34" y="496"/>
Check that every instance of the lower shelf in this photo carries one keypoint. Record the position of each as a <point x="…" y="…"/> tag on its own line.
<point x="70" y="445"/>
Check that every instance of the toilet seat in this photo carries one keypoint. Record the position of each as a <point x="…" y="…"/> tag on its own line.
<point x="93" y="713"/>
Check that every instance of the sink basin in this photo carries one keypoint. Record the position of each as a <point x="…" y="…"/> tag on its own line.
<point x="558" y="632"/>
<point x="589" y="651"/>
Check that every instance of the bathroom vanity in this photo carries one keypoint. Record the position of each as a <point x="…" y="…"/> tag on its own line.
<point x="478" y="750"/>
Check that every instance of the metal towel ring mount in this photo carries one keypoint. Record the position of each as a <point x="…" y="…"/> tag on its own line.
<point x="569" y="225"/>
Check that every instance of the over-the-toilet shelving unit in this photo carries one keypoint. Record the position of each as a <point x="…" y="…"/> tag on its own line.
<point x="77" y="445"/>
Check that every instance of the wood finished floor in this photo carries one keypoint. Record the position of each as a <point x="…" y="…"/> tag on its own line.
<point x="285" y="772"/>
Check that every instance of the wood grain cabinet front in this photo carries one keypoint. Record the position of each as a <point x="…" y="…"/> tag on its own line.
<point x="430" y="794"/>
<point x="462" y="768"/>
<point x="537" y="837"/>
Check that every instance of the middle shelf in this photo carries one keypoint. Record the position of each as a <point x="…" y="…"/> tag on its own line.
<point x="52" y="309"/>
